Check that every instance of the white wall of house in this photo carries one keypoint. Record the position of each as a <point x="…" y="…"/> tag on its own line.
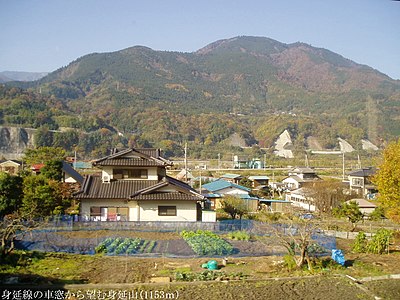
<point x="232" y="191"/>
<point x="86" y="204"/>
<point x="300" y="201"/>
<point x="291" y="183"/>
<point x="152" y="172"/>
<point x="185" y="211"/>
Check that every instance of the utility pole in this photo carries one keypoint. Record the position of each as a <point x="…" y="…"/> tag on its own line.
<point x="186" y="162"/>
<point x="265" y="161"/>
<point x="219" y="161"/>
<point x="200" y="181"/>
<point x="343" y="165"/>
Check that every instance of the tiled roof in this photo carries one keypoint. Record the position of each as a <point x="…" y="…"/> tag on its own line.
<point x="134" y="158"/>
<point x="94" y="188"/>
<point x="302" y="170"/>
<point x="364" y="172"/>
<point x="182" y="191"/>
<point x="129" y="162"/>
<point x="166" y="196"/>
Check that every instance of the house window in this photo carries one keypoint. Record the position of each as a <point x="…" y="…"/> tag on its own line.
<point x="95" y="211"/>
<point x="130" y="174"/>
<point x="357" y="181"/>
<point x="167" y="210"/>
<point x="109" y="213"/>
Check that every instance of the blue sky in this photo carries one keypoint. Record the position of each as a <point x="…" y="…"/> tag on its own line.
<point x="44" y="35"/>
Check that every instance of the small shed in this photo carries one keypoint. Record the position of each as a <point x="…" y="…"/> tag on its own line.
<point x="366" y="207"/>
<point x="274" y="205"/>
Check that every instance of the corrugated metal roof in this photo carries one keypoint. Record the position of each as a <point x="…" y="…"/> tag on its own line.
<point x="231" y="176"/>
<point x="258" y="177"/>
<point x="71" y="172"/>
<point x="223" y="184"/>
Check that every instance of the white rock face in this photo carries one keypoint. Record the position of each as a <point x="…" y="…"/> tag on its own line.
<point x="367" y="145"/>
<point x="283" y="145"/>
<point x="345" y="146"/>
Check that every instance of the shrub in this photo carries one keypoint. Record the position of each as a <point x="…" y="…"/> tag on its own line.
<point x="380" y="241"/>
<point x="239" y="235"/>
<point x="360" y="243"/>
<point x="289" y="262"/>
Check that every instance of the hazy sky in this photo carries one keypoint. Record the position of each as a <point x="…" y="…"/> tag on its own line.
<point x="44" y="35"/>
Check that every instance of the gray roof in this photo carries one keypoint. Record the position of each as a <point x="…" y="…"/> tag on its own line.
<point x="94" y="188"/>
<point x="67" y="168"/>
<point x="134" y="158"/>
<point x="364" y="172"/>
<point x="302" y="170"/>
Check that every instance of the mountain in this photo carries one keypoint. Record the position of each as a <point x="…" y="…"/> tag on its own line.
<point x="251" y="86"/>
<point x="6" y="76"/>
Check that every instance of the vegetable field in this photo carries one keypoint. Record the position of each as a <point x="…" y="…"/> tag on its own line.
<point x="125" y="246"/>
<point x="205" y="242"/>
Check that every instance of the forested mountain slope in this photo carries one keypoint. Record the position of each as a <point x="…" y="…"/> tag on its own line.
<point x="253" y="86"/>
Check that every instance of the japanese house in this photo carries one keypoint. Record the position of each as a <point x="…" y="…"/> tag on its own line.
<point x="134" y="186"/>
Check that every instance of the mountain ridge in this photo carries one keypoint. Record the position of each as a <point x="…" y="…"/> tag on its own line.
<point x="247" y="85"/>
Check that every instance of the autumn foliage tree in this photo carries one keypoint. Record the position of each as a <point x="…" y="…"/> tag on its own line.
<point x="387" y="180"/>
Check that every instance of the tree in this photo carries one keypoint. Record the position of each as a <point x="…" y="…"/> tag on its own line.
<point x="295" y="235"/>
<point x="327" y="195"/>
<point x="387" y="180"/>
<point x="234" y="206"/>
<point x="10" y="226"/>
<point x="246" y="182"/>
<point x="351" y="211"/>
<point x="10" y="193"/>
<point x="43" y="137"/>
<point x="43" y="155"/>
<point x="52" y="169"/>
<point x="40" y="199"/>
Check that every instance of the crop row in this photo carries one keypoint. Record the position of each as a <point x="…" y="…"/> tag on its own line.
<point x="207" y="243"/>
<point x="129" y="246"/>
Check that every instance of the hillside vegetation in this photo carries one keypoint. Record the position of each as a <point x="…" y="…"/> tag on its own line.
<point x="252" y="86"/>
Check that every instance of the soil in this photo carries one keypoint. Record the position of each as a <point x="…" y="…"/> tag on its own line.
<point x="255" y="259"/>
<point x="282" y="289"/>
